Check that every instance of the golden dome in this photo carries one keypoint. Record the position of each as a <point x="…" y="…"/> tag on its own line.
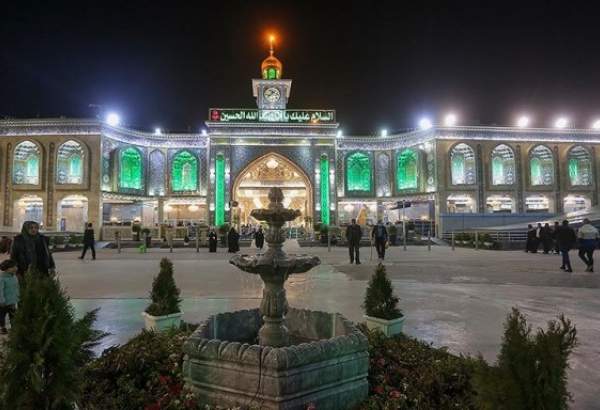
<point x="271" y="68"/>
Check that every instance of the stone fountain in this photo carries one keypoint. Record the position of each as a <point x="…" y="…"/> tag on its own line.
<point x="277" y="357"/>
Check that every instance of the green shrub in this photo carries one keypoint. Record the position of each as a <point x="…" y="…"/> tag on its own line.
<point x="392" y="230"/>
<point x="142" y="372"/>
<point x="405" y="373"/>
<point x="59" y="240"/>
<point x="46" y="349"/>
<point x="165" y="294"/>
<point x="531" y="370"/>
<point x="379" y="300"/>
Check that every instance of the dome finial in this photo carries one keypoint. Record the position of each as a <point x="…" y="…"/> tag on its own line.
<point x="271" y="67"/>
<point x="271" y="41"/>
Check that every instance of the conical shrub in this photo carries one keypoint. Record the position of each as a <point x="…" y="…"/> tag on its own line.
<point x="379" y="300"/>
<point x="164" y="294"/>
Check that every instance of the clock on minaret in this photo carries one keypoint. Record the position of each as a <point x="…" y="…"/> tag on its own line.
<point x="271" y="91"/>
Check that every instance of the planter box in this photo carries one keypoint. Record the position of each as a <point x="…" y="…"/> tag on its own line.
<point x="388" y="327"/>
<point x="160" y="323"/>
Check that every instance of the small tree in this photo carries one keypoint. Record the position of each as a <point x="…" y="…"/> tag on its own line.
<point x="165" y="294"/>
<point x="46" y="349"/>
<point x="531" y="370"/>
<point x="380" y="301"/>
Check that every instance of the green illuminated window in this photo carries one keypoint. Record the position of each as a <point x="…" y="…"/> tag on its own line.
<point x="324" y="190"/>
<point x="184" y="172"/>
<point x="130" y="175"/>
<point x="219" y="190"/>
<point x="358" y="172"/>
<point x="70" y="163"/>
<point x="407" y="171"/>
<point x="541" y="166"/>
<point x="26" y="164"/>
<point x="580" y="166"/>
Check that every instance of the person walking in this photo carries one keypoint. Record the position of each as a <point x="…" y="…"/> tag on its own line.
<point x="30" y="249"/>
<point x="546" y="238"/>
<point x="212" y="240"/>
<point x="379" y="233"/>
<point x="259" y="238"/>
<point x="566" y="239"/>
<point x="529" y="244"/>
<point x="89" y="241"/>
<point x="554" y="239"/>
<point x="9" y="292"/>
<point x="587" y="235"/>
<point x="353" y="236"/>
<point x="233" y="239"/>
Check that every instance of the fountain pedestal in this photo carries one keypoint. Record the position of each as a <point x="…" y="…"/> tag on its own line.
<point x="302" y="356"/>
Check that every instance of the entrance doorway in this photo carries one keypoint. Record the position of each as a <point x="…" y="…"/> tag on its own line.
<point x="251" y="188"/>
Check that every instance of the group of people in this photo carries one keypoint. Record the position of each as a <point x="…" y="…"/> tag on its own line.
<point x="29" y="249"/>
<point x="233" y="239"/>
<point x="379" y="236"/>
<point x="562" y="238"/>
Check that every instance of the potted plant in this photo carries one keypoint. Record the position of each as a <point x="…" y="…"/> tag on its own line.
<point x="487" y="240"/>
<point x="147" y="237"/>
<point x="59" y="242"/>
<point x="381" y="306"/>
<point x="164" y="311"/>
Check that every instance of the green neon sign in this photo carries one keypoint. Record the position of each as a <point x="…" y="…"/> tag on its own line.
<point x="324" y="190"/>
<point x="220" y="190"/>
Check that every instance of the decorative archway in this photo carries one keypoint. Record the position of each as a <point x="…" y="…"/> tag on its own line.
<point x="252" y="184"/>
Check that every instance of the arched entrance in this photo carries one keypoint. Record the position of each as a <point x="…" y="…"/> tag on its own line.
<point x="252" y="185"/>
<point x="72" y="213"/>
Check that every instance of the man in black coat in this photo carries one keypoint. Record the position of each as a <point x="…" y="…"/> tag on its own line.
<point x="380" y="235"/>
<point x="88" y="241"/>
<point x="353" y="236"/>
<point x="566" y="239"/>
<point x="30" y="249"/>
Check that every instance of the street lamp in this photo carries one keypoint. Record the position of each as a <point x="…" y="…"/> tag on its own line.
<point x="450" y="120"/>
<point x="113" y="119"/>
<point x="523" y="121"/>
<point x="384" y="132"/>
<point x="425" y="123"/>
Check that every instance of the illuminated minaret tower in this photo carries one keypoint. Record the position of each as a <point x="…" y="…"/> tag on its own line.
<point x="271" y="91"/>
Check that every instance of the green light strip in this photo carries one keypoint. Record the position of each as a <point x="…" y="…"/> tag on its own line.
<point x="324" y="190"/>
<point x="220" y="191"/>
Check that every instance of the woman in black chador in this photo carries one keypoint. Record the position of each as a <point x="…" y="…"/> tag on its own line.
<point x="259" y="238"/>
<point x="212" y="240"/>
<point x="233" y="239"/>
<point x="30" y="249"/>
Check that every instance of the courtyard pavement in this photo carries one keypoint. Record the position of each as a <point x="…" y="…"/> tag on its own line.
<point x="457" y="299"/>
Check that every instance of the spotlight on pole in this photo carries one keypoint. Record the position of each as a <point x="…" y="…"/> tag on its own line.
<point x="340" y="133"/>
<point x="596" y="125"/>
<point x="157" y="131"/>
<point x="113" y="119"/>
<point x="450" y="120"/>
<point x="203" y="132"/>
<point x="561" y="122"/>
<point x="384" y="132"/>
<point x="425" y="123"/>
<point x="523" y="121"/>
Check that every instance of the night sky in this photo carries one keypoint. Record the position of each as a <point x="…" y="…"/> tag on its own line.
<point x="378" y="64"/>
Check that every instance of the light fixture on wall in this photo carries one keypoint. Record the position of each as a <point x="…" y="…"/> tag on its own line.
<point x="113" y="119"/>
<point x="523" y="121"/>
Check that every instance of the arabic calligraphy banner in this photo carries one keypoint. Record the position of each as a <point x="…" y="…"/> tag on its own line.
<point x="291" y="116"/>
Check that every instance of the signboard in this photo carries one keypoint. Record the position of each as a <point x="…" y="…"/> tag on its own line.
<point x="282" y="116"/>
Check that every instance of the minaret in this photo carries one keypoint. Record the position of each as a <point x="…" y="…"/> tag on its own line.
<point x="271" y="91"/>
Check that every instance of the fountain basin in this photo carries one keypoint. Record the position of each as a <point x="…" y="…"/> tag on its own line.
<point x="325" y="364"/>
<point x="267" y="264"/>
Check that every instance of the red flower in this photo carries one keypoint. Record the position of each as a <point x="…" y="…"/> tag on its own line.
<point x="381" y="362"/>
<point x="175" y="389"/>
<point x="311" y="406"/>
<point x="378" y="389"/>
<point x="154" y="406"/>
<point x="395" y="394"/>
